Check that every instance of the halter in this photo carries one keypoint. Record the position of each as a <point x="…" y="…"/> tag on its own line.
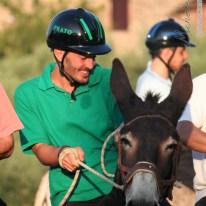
<point x="128" y="173"/>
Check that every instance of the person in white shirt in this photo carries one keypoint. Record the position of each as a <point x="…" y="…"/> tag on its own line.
<point x="167" y="41"/>
<point x="192" y="131"/>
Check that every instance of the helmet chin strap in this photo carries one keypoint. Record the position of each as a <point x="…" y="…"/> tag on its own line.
<point x="70" y="79"/>
<point x="167" y="64"/>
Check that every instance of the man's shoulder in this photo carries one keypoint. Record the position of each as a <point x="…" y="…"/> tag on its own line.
<point x="102" y="70"/>
<point x="33" y="83"/>
<point x="27" y="85"/>
<point x="199" y="84"/>
<point x="147" y="77"/>
<point x="101" y="73"/>
<point x="200" y="79"/>
<point x="29" y="82"/>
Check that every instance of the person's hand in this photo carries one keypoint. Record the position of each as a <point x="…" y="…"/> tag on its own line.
<point x="69" y="158"/>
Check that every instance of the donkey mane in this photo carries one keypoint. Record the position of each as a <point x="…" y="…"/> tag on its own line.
<point x="152" y="98"/>
<point x="150" y="104"/>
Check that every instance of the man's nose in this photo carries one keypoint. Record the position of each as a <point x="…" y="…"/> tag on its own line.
<point x="89" y="62"/>
<point x="185" y="55"/>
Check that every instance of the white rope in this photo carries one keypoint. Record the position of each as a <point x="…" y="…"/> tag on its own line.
<point x="121" y="187"/>
<point x="77" y="173"/>
<point x="71" y="188"/>
<point x="103" y="151"/>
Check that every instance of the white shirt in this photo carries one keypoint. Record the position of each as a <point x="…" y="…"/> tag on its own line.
<point x="195" y="112"/>
<point x="151" y="81"/>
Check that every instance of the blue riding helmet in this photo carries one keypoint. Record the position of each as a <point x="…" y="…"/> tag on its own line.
<point x="167" y="33"/>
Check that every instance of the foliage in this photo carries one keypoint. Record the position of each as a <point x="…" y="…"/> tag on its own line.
<point x="16" y="69"/>
<point x="20" y="175"/>
<point x="27" y="30"/>
<point x="198" y="54"/>
<point x="29" y="27"/>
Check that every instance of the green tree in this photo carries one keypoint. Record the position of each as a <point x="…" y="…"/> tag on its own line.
<point x="29" y="27"/>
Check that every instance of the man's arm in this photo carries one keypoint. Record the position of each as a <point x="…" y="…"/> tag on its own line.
<point x="6" y="146"/>
<point x="192" y="136"/>
<point x="49" y="155"/>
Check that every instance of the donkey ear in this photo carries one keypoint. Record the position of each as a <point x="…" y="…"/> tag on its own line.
<point x="123" y="92"/>
<point x="119" y="82"/>
<point x="182" y="84"/>
<point x="180" y="93"/>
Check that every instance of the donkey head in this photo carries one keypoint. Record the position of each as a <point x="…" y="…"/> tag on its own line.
<point x="148" y="143"/>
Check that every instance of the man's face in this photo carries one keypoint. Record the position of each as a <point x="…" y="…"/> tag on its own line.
<point x="179" y="58"/>
<point x="79" y="66"/>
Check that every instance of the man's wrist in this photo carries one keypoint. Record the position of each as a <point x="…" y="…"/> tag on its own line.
<point x="63" y="150"/>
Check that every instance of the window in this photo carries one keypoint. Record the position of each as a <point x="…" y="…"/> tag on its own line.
<point x="120" y="14"/>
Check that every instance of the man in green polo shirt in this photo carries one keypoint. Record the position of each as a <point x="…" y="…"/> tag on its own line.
<point x="69" y="110"/>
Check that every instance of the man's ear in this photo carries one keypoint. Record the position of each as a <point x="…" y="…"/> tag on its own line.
<point x="59" y="54"/>
<point x="166" y="53"/>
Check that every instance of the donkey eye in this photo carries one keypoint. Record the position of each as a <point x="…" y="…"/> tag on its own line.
<point x="171" y="146"/>
<point x="125" y="141"/>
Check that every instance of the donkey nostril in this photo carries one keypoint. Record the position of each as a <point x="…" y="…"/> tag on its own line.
<point x="125" y="173"/>
<point x="130" y="204"/>
<point x="141" y="203"/>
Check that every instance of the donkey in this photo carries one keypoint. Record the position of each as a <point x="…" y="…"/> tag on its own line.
<point x="148" y="143"/>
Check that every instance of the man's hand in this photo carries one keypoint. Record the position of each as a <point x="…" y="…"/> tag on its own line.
<point x="69" y="158"/>
<point x="6" y="146"/>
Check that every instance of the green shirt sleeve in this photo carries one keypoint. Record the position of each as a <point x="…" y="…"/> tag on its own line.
<point x="33" y="131"/>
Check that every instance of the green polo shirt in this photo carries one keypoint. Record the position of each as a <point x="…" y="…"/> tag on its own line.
<point x="51" y="116"/>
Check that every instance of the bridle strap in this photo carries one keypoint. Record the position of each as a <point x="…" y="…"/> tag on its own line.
<point x="62" y="71"/>
<point x="167" y="64"/>
<point x="150" y="116"/>
<point x="140" y="166"/>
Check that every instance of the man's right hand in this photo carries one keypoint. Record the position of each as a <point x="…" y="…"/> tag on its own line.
<point x="69" y="158"/>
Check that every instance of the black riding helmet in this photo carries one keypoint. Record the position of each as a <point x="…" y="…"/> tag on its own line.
<point x="77" y="30"/>
<point x="167" y="33"/>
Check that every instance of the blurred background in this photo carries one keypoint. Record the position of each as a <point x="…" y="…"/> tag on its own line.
<point x="23" y="53"/>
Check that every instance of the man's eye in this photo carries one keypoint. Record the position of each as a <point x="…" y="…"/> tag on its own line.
<point x="88" y="57"/>
<point x="93" y="57"/>
<point x="83" y="58"/>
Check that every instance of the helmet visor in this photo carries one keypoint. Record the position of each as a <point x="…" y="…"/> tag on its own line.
<point x="91" y="49"/>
